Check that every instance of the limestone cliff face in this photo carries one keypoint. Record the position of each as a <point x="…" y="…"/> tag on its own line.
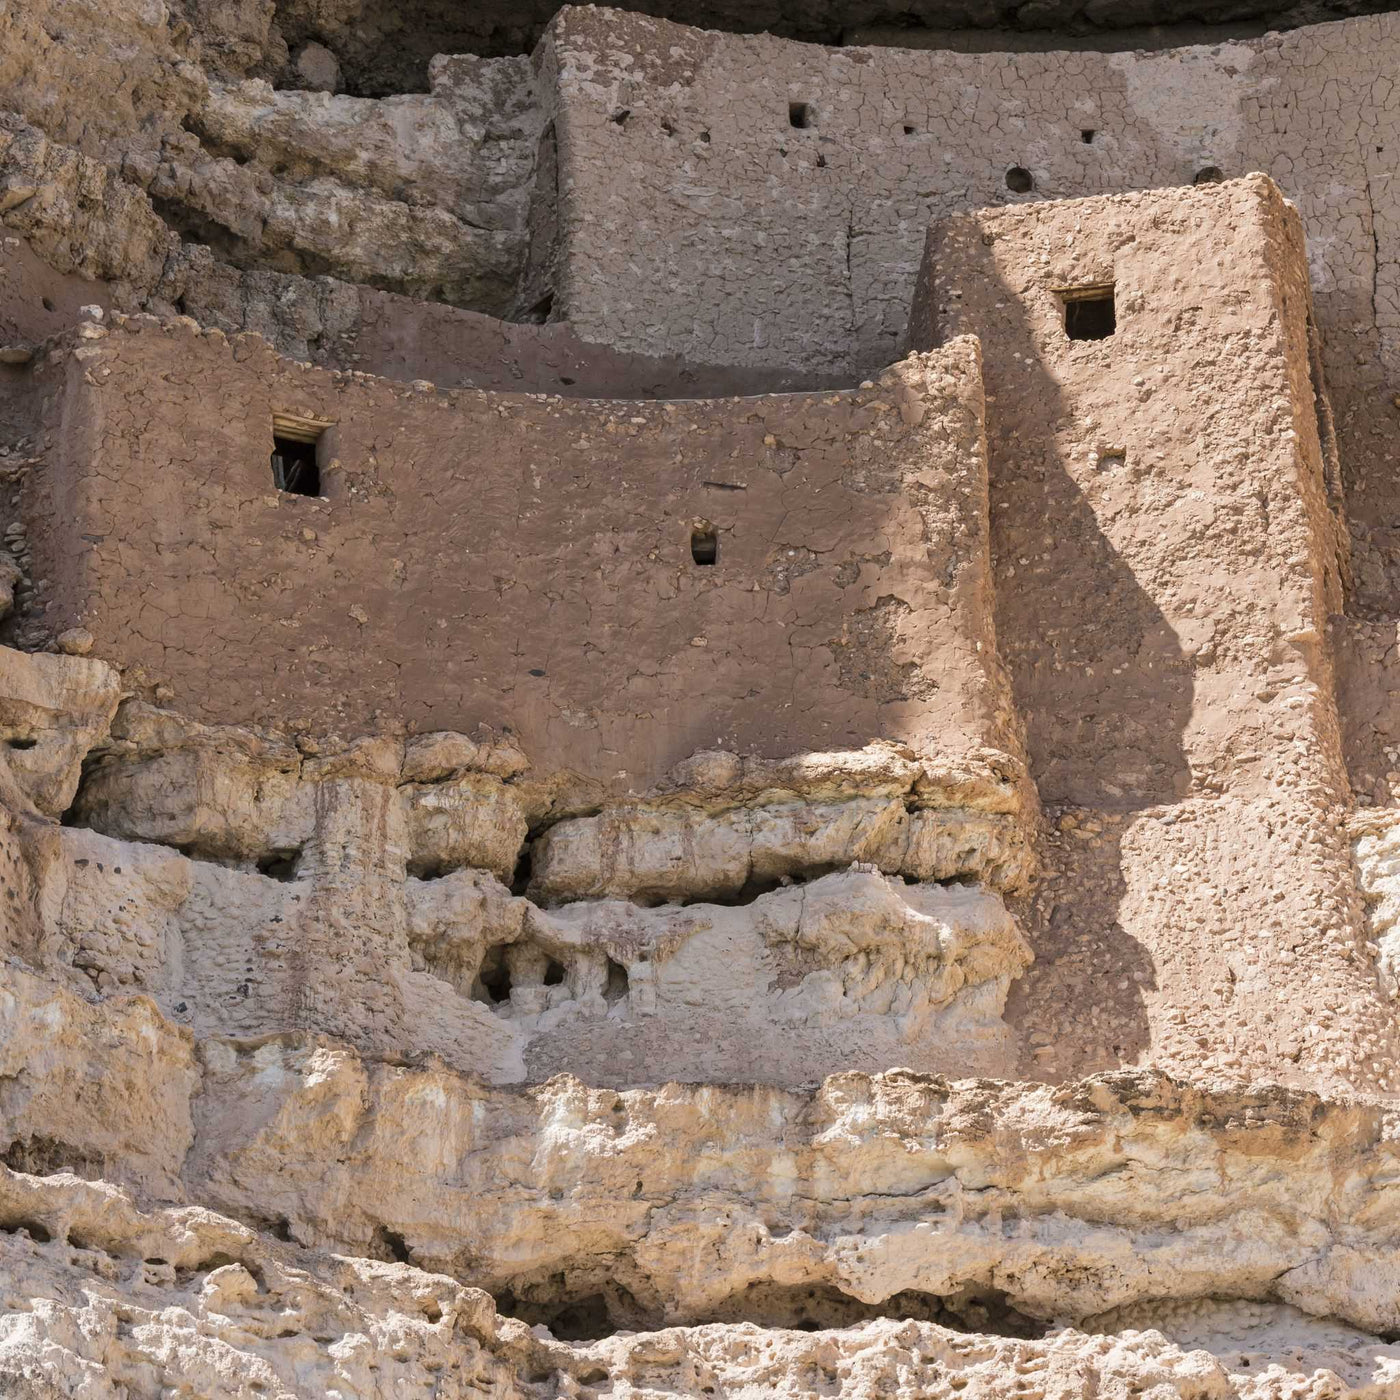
<point x="688" y="715"/>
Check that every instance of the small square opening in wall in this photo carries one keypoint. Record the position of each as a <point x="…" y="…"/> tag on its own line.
<point x="800" y="115"/>
<point x="296" y="466"/>
<point x="704" y="543"/>
<point x="1089" y="313"/>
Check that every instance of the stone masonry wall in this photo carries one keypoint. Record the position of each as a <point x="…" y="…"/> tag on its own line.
<point x="748" y="238"/>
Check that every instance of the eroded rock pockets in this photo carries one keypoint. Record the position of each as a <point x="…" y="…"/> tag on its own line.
<point x="747" y="919"/>
<point x="94" y="1283"/>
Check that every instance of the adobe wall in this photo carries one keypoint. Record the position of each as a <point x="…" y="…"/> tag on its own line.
<point x="1167" y="560"/>
<point x="703" y="223"/>
<point x="525" y="561"/>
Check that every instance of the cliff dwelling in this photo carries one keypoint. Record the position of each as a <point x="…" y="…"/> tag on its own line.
<point x="699" y="701"/>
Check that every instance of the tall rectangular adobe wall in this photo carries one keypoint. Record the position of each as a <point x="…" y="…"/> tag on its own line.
<point x="1167" y="558"/>
<point x="1163" y="530"/>
<point x="525" y="561"/>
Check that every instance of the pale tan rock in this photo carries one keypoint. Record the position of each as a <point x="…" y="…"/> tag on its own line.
<point x="671" y="1203"/>
<point x="101" y="1091"/>
<point x="221" y="792"/>
<point x="75" y="641"/>
<point x="318" y="69"/>
<point x="229" y="1308"/>
<point x="473" y="820"/>
<point x="53" y="711"/>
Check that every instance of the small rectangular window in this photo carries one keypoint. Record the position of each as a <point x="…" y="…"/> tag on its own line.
<point x="1089" y="313"/>
<point x="296" y="466"/>
<point x="704" y="545"/>
<point x="800" y="115"/>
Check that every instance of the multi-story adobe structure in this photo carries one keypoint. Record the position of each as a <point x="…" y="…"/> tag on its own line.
<point x="691" y="679"/>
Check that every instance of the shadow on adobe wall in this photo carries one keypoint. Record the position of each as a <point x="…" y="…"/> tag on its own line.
<point x="1106" y="693"/>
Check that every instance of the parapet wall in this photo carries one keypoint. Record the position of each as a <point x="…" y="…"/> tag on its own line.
<point x="526" y="561"/>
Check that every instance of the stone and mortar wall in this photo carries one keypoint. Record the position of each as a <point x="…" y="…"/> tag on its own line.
<point x="703" y="223"/>
<point x="1169" y="557"/>
<point x="525" y="561"/>
<point x="744" y="238"/>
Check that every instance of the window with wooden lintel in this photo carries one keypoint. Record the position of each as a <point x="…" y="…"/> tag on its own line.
<point x="1089" y="311"/>
<point x="296" y="458"/>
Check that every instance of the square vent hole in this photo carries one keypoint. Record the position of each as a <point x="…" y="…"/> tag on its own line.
<point x="296" y="465"/>
<point x="1089" y="313"/>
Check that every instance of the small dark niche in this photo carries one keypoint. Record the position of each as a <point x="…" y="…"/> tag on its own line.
<point x="492" y="985"/>
<point x="1090" y="315"/>
<point x="21" y="743"/>
<point x="1087" y="136"/>
<point x="704" y="547"/>
<point x="1019" y="180"/>
<point x="615" y="989"/>
<point x="524" y="868"/>
<point x="1208" y="175"/>
<point x="553" y="973"/>
<point x="280" y="865"/>
<point x="800" y="115"/>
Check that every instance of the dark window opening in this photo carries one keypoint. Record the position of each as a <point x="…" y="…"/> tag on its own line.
<point x="21" y="743"/>
<point x="553" y="973"/>
<point x="821" y="162"/>
<point x="294" y="465"/>
<point x="704" y="546"/>
<point x="908" y="130"/>
<point x="280" y="865"/>
<point x="1208" y="175"/>
<point x="800" y="115"/>
<point x="1090" y="316"/>
<point x="1087" y="136"/>
<point x="615" y="989"/>
<point x="492" y="984"/>
<point x="1018" y="180"/>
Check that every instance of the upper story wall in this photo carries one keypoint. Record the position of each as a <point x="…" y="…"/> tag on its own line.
<point x="697" y="218"/>
<point x="526" y="561"/>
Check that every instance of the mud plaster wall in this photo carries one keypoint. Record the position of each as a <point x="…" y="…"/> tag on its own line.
<point x="1168" y="560"/>
<point x="706" y="225"/>
<point x="698" y="219"/>
<point x="526" y="561"/>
